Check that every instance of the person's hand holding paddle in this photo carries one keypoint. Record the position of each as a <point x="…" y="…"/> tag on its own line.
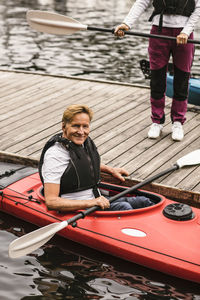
<point x="182" y="38"/>
<point x="119" y="30"/>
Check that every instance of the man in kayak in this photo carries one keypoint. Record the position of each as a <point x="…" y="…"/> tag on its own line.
<point x="170" y="18"/>
<point x="70" y="168"/>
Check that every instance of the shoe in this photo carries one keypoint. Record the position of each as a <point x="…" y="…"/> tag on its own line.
<point x="155" y="131"/>
<point x="177" y="131"/>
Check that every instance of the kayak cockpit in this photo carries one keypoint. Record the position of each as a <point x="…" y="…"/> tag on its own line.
<point x="109" y="190"/>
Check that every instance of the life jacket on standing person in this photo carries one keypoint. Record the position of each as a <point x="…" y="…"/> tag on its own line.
<point x="172" y="7"/>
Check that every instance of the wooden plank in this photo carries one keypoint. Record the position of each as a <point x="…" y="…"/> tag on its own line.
<point x="108" y="131"/>
<point x="39" y="136"/>
<point x="117" y="120"/>
<point x="129" y="139"/>
<point x="44" y="100"/>
<point x="112" y="112"/>
<point x="33" y="96"/>
<point x="150" y="151"/>
<point x="29" y="89"/>
<point x="33" y="149"/>
<point x="8" y="78"/>
<point x="44" y="104"/>
<point x="170" y="153"/>
<point x="57" y="106"/>
<point x="119" y="145"/>
<point x="8" y="141"/>
<point x="128" y="146"/>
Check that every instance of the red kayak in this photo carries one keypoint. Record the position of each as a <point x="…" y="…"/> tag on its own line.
<point x="163" y="237"/>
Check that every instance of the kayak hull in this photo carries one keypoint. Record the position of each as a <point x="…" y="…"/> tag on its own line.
<point x="144" y="236"/>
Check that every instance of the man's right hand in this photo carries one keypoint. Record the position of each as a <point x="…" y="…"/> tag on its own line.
<point x="119" y="30"/>
<point x="102" y="202"/>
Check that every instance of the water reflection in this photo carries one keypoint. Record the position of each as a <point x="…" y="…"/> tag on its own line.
<point x="86" y="54"/>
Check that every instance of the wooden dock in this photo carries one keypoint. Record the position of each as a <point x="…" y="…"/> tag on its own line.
<point x="31" y="112"/>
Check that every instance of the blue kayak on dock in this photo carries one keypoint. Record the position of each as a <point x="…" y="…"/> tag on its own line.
<point x="194" y="89"/>
<point x="194" y="83"/>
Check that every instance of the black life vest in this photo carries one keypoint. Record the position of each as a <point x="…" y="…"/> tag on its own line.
<point x="172" y="7"/>
<point x="83" y="170"/>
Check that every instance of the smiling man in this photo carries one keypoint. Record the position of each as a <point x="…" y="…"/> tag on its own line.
<point x="70" y="167"/>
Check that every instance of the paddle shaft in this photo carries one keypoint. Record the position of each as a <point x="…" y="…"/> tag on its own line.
<point x="157" y="36"/>
<point x="90" y="210"/>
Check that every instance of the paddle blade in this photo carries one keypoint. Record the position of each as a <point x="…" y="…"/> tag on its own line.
<point x="34" y="240"/>
<point x="50" y="22"/>
<point x="192" y="158"/>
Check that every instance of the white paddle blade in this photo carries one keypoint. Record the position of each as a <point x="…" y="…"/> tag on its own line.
<point x="34" y="240"/>
<point x="50" y="22"/>
<point x="192" y="158"/>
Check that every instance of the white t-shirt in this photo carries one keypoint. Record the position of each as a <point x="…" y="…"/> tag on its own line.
<point x="172" y="21"/>
<point x="56" y="160"/>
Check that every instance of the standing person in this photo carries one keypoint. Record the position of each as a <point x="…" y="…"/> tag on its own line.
<point x="170" y="18"/>
<point x="70" y="168"/>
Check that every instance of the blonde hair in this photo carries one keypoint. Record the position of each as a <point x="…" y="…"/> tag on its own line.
<point x="74" y="109"/>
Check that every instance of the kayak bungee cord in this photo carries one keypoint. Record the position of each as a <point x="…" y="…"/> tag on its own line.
<point x="2" y="195"/>
<point x="28" y="198"/>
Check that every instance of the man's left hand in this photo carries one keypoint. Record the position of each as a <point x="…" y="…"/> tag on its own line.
<point x="119" y="173"/>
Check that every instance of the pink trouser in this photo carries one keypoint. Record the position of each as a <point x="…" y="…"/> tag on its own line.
<point x="159" y="54"/>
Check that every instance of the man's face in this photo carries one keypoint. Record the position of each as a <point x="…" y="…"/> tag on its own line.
<point x="78" y="129"/>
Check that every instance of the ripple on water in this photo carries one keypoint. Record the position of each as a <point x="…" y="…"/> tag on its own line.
<point x="16" y="275"/>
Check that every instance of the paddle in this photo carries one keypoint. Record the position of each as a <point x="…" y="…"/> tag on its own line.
<point x="39" y="237"/>
<point x="53" y="23"/>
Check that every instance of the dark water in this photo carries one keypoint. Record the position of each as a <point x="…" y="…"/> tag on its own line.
<point x="89" y="54"/>
<point x="65" y="270"/>
<point x="62" y="269"/>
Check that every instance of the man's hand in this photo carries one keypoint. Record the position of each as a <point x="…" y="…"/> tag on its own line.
<point x="102" y="202"/>
<point x="115" y="172"/>
<point x="119" y="173"/>
<point x="119" y="30"/>
<point x="181" y="39"/>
